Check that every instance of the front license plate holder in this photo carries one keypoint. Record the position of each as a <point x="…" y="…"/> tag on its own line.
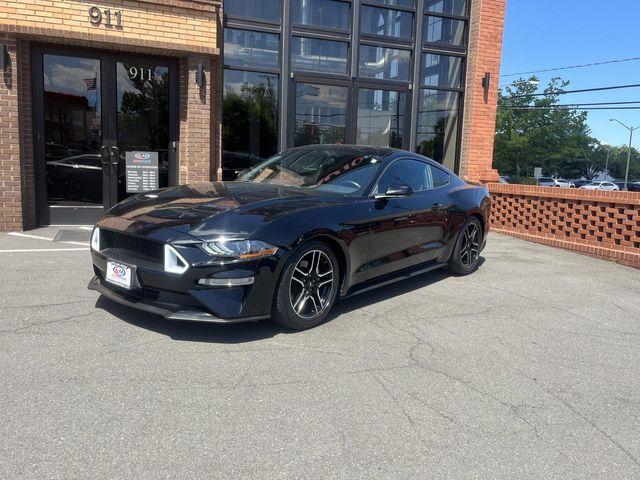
<point x="121" y="275"/>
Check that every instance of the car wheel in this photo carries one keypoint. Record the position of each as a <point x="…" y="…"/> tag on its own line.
<point x="307" y="288"/>
<point x="466" y="254"/>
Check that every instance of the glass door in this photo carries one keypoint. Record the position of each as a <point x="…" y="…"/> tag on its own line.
<point x="320" y="113"/>
<point x="71" y="138"/>
<point x="380" y="117"/>
<point x="141" y="127"/>
<point x="106" y="126"/>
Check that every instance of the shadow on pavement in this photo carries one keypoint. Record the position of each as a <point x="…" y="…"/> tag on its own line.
<point x="253" y="331"/>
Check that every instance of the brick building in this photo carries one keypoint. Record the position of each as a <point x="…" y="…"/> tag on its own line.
<point x="91" y="90"/>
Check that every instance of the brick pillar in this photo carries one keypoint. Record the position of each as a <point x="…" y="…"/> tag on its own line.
<point x="10" y="186"/>
<point x="485" y="50"/>
<point x="197" y="117"/>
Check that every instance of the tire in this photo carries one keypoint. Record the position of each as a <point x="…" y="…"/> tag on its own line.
<point x="307" y="288"/>
<point x="465" y="258"/>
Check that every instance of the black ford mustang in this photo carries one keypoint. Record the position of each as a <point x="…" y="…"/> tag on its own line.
<point x="294" y="233"/>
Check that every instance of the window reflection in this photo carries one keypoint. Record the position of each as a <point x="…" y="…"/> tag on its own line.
<point x="142" y="97"/>
<point x="441" y="71"/>
<point x="266" y="10"/>
<point x="244" y="48"/>
<point x="386" y="22"/>
<point x="321" y="13"/>
<point x="250" y="111"/>
<point x="400" y="3"/>
<point x="451" y="7"/>
<point x="384" y="63"/>
<point x="315" y="55"/>
<point x="72" y="129"/>
<point x="380" y="117"/>
<point x="320" y="114"/>
<point x="445" y="31"/>
<point x="438" y="126"/>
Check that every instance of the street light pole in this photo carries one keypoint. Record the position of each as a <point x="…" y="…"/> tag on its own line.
<point x="631" y="129"/>
<point x="606" y="164"/>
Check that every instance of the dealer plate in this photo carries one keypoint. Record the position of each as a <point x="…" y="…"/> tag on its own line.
<point x="119" y="274"/>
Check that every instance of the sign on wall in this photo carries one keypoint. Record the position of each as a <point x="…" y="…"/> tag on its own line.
<point x="142" y="171"/>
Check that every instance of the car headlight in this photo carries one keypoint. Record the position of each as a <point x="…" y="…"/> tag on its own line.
<point x="241" y="249"/>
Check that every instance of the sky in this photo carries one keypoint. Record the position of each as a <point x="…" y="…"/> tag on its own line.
<point x="542" y="34"/>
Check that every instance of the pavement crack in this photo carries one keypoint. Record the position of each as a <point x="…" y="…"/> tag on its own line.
<point x="57" y="320"/>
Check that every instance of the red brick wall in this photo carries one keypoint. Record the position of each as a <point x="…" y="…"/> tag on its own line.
<point x="600" y="224"/>
<point x="10" y="177"/>
<point x="196" y="119"/>
<point x="479" y="121"/>
<point x="26" y="136"/>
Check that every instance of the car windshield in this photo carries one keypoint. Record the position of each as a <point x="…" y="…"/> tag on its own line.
<point x="342" y="170"/>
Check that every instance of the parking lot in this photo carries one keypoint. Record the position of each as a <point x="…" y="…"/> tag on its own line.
<point x="528" y="368"/>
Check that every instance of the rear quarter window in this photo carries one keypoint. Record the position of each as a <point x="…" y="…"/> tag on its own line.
<point x="439" y="177"/>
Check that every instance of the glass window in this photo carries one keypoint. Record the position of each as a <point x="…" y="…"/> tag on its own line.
<point x="243" y="48"/>
<point x="266" y="10"/>
<point x="393" y="3"/>
<point x="315" y="55"/>
<point x="320" y="114"/>
<point x="250" y="115"/>
<point x="386" y="22"/>
<point x="439" y="177"/>
<point x="445" y="31"/>
<point x="413" y="173"/>
<point x="450" y="7"/>
<point x="441" y="70"/>
<point x="438" y="126"/>
<point x="321" y="13"/>
<point x="380" y="117"/>
<point x="384" y="63"/>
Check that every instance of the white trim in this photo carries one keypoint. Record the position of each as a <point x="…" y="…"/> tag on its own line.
<point x="26" y="235"/>
<point x="74" y="207"/>
<point x="46" y="250"/>
<point x="171" y="257"/>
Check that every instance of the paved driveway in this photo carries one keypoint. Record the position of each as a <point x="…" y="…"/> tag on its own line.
<point x="529" y="368"/>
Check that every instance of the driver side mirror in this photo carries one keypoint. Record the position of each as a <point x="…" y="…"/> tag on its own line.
<point x="396" y="190"/>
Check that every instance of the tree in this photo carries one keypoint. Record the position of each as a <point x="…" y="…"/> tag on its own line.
<point x="249" y="120"/>
<point x="531" y="131"/>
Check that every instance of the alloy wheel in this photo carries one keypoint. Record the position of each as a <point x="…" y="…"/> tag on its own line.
<point x="470" y="247"/>
<point x="311" y="284"/>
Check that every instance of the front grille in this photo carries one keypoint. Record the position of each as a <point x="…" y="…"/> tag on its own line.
<point x="127" y="247"/>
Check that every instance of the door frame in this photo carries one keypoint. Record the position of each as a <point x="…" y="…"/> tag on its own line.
<point x="320" y="79"/>
<point x="108" y="60"/>
<point x="351" y="114"/>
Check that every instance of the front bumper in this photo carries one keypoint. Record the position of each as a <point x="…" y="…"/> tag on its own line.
<point x="180" y="296"/>
<point x="167" y="310"/>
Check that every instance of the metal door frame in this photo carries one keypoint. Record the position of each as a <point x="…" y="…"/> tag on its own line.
<point x="108" y="77"/>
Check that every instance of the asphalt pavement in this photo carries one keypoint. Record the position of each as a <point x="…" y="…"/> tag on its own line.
<point x="527" y="369"/>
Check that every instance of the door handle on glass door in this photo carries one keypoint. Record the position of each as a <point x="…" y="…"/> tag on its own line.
<point x="104" y="157"/>
<point x="115" y="153"/>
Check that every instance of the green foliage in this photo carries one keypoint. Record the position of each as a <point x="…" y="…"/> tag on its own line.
<point x="556" y="139"/>
<point x="249" y="120"/>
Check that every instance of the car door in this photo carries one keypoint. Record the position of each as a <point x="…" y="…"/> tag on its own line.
<point x="407" y="231"/>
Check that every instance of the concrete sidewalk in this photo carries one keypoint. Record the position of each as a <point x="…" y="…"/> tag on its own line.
<point x="526" y="369"/>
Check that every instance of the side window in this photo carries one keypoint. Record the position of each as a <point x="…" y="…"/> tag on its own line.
<point x="439" y="177"/>
<point x="406" y="172"/>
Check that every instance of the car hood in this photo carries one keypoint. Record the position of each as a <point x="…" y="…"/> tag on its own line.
<point x="210" y="210"/>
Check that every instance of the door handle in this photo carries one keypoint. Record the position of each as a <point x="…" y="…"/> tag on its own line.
<point x="438" y="205"/>
<point x="115" y="153"/>
<point x="103" y="157"/>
